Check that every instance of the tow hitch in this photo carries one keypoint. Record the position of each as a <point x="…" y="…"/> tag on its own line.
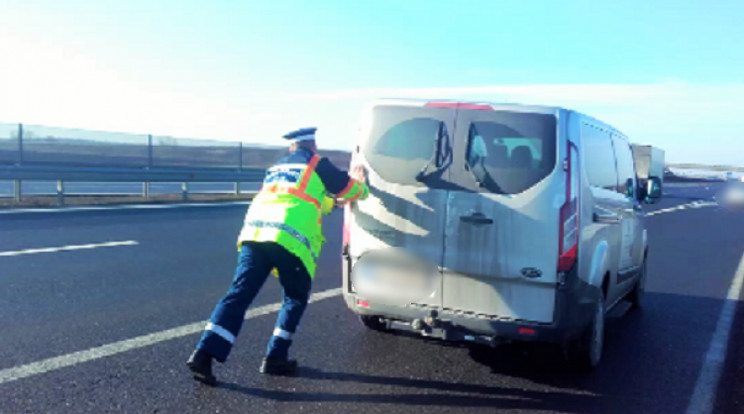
<point x="433" y="326"/>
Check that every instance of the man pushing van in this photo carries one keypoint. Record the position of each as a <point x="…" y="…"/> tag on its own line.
<point x="282" y="231"/>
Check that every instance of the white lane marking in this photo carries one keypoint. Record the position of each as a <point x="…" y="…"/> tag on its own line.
<point x="75" y="358"/>
<point x="120" y="207"/>
<point x="704" y="395"/>
<point x="694" y="204"/>
<point x="68" y="248"/>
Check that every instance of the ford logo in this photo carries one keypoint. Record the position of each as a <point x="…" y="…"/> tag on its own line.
<point x="531" y="272"/>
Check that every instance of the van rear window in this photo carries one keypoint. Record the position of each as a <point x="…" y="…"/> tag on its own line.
<point x="401" y="142"/>
<point x="511" y="152"/>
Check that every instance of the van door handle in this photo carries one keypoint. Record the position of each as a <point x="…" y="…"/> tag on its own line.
<point x="606" y="218"/>
<point x="477" y="218"/>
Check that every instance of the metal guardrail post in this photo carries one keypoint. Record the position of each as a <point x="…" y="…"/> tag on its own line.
<point x="149" y="151"/>
<point x="240" y="167"/>
<point x="20" y="144"/>
<point x="185" y="191"/>
<point x="17" y="183"/>
<point x="146" y="184"/>
<point x="17" y="191"/>
<point x="60" y="193"/>
<point x="240" y="156"/>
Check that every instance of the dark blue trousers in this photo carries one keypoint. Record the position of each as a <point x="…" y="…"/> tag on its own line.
<point x="255" y="261"/>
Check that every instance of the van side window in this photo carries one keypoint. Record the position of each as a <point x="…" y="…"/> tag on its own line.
<point x="599" y="158"/>
<point x="511" y="153"/>
<point x="625" y="166"/>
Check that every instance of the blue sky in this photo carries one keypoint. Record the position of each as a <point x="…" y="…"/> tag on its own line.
<point x="669" y="73"/>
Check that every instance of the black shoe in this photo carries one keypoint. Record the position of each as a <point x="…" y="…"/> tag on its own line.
<point x="278" y="366"/>
<point x="200" y="364"/>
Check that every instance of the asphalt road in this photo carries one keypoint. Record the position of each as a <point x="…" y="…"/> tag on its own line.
<point x="58" y="303"/>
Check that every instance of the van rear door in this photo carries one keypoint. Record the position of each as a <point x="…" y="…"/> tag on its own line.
<point x="408" y="151"/>
<point x="502" y="232"/>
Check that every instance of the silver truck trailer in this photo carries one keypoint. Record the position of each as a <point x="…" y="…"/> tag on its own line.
<point x="649" y="161"/>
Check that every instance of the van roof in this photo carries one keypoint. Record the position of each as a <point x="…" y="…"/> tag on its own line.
<point x="516" y="107"/>
<point x="492" y="106"/>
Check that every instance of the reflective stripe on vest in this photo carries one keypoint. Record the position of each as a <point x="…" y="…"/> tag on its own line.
<point x="285" y="227"/>
<point x="299" y="191"/>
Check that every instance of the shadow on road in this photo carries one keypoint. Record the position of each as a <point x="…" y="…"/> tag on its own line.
<point x="431" y="393"/>
<point x="651" y="361"/>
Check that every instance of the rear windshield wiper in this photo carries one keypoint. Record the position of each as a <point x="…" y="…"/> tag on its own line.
<point x="436" y="159"/>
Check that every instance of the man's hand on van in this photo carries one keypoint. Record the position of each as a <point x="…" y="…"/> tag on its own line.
<point x="359" y="173"/>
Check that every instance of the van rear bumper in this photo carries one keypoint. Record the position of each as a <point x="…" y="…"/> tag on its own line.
<point x="574" y="307"/>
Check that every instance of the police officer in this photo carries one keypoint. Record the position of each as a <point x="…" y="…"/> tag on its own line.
<point x="282" y="231"/>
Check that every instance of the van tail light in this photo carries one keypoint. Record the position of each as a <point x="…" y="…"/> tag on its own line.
<point x="568" y="241"/>
<point x="346" y="226"/>
<point x="346" y="229"/>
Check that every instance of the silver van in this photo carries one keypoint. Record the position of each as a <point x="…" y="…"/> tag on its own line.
<point x="490" y="222"/>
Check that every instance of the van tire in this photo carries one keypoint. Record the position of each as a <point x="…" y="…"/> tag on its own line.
<point x="585" y="352"/>
<point x="373" y="322"/>
<point x="636" y="295"/>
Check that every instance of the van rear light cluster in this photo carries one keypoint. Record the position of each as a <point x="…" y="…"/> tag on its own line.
<point x="568" y="241"/>
<point x="346" y="228"/>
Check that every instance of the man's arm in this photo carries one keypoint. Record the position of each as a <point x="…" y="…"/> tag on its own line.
<point x="339" y="182"/>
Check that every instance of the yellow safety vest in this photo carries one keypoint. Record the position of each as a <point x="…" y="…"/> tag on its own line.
<point x="289" y="213"/>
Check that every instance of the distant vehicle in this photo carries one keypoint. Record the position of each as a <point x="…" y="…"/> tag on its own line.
<point x="495" y="222"/>
<point x="732" y="196"/>
<point x="649" y="162"/>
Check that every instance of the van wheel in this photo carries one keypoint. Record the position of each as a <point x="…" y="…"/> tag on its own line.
<point x="585" y="352"/>
<point x="636" y="295"/>
<point x="373" y="322"/>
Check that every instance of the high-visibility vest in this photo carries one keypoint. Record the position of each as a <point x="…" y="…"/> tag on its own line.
<point x="326" y="207"/>
<point x="287" y="210"/>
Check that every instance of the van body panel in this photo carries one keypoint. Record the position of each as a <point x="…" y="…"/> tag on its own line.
<point x="485" y="265"/>
<point x="501" y="250"/>
<point x="400" y="220"/>
<point x="599" y="264"/>
<point x="403" y="216"/>
<point x="612" y="226"/>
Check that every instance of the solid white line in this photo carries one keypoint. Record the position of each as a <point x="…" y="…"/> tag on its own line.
<point x="694" y="204"/>
<point x="75" y="358"/>
<point x="704" y="397"/>
<point x="68" y="248"/>
<point x="120" y="207"/>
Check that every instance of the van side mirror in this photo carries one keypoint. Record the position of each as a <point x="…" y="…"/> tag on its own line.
<point x="653" y="189"/>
